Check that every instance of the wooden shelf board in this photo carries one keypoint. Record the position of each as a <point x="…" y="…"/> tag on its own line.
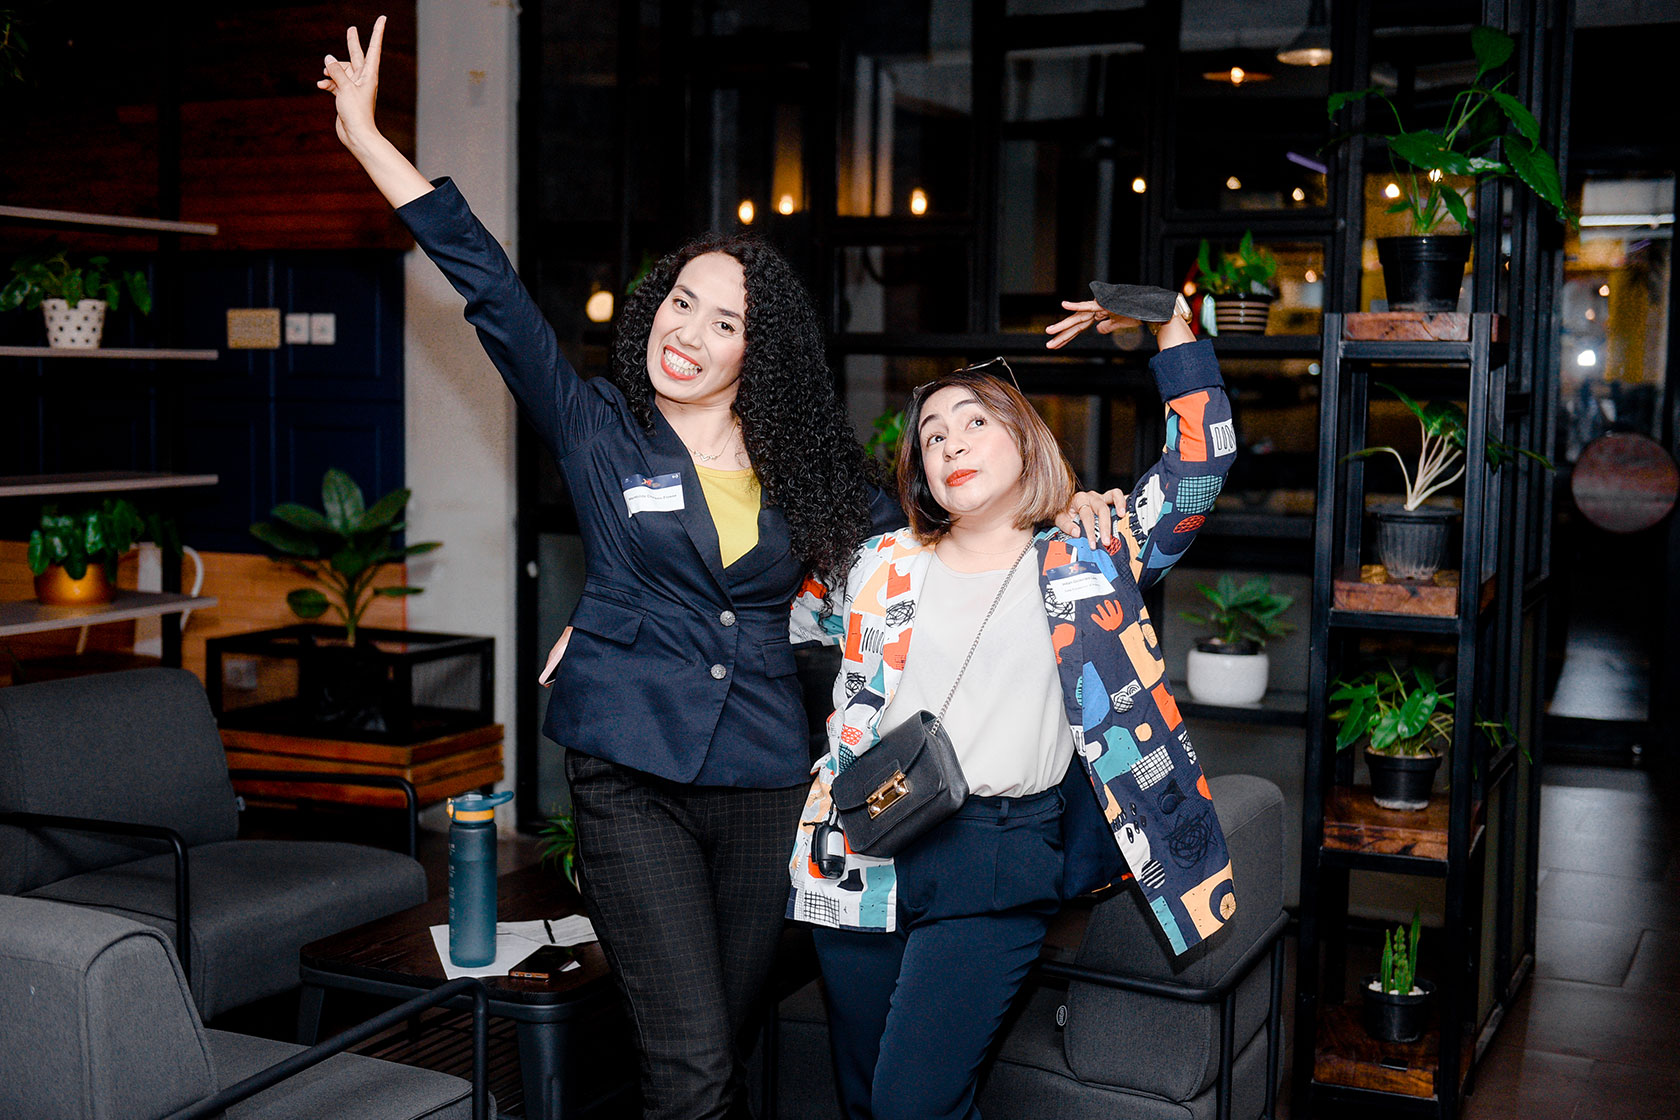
<point x="119" y="353"/>
<point x="1277" y="708"/>
<point x="1355" y="823"/>
<point x="1346" y="1056"/>
<point x="438" y="768"/>
<point x="29" y="617"/>
<point x="107" y="221"/>
<point x="97" y="482"/>
<point x="284" y="750"/>
<point x="1415" y="326"/>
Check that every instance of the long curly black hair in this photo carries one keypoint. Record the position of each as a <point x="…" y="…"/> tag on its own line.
<point x="796" y="431"/>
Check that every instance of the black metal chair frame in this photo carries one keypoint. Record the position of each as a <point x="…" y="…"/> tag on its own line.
<point x="1224" y="993"/>
<point x="265" y="1079"/>
<point x="178" y="845"/>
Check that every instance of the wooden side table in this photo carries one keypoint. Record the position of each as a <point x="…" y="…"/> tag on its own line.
<point x="437" y="768"/>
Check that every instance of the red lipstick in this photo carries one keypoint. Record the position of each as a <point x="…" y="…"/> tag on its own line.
<point x="958" y="477"/>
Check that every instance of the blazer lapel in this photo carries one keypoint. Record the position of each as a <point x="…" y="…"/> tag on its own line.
<point x="667" y="455"/>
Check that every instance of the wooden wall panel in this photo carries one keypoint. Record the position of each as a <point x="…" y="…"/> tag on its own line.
<point x="258" y="153"/>
<point x="251" y="591"/>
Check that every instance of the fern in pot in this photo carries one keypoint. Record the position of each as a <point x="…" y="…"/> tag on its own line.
<point x="1230" y="666"/>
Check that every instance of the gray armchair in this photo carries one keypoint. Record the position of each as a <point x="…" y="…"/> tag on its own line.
<point x="99" y="1024"/>
<point x="114" y="794"/>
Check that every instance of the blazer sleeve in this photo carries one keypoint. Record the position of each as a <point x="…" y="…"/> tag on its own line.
<point x="564" y="409"/>
<point x="1171" y="501"/>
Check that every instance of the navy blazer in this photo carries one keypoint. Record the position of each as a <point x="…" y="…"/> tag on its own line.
<point x="677" y="666"/>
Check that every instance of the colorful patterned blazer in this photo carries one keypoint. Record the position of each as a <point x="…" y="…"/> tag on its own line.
<point x="1133" y="747"/>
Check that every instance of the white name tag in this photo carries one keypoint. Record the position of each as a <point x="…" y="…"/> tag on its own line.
<point x="660" y="493"/>
<point x="1080" y="580"/>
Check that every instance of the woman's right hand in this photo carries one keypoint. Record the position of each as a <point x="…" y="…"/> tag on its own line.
<point x="355" y="85"/>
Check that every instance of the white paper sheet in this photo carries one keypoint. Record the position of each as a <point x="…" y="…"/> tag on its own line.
<point x="514" y="942"/>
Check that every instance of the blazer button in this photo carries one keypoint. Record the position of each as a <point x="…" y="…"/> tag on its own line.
<point x="719" y="672"/>
<point x="727" y="618"/>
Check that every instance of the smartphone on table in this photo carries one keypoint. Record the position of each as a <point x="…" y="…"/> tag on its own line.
<point x="544" y="964"/>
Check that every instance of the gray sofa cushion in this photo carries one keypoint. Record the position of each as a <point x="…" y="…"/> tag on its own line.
<point x="1031" y="1079"/>
<point x="1182" y="1057"/>
<point x="138" y="746"/>
<point x="344" y="1087"/>
<point x="96" y="1022"/>
<point x="255" y="903"/>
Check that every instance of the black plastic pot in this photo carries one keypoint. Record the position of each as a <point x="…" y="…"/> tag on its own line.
<point x="1396" y="1018"/>
<point x="1423" y="273"/>
<point x="1401" y="781"/>
<point x="1411" y="542"/>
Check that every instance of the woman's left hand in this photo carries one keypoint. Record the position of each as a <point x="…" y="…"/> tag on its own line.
<point x="1085" y="313"/>
<point x="1091" y="515"/>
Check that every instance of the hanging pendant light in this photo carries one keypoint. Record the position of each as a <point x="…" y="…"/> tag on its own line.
<point x="1312" y="46"/>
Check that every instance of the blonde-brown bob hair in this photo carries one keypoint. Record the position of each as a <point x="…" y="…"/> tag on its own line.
<point x="1047" y="481"/>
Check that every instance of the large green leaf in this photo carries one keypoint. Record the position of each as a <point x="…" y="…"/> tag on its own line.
<point x="286" y="540"/>
<point x="1492" y="48"/>
<point x="1337" y="100"/>
<point x="341" y="498"/>
<point x="307" y="602"/>
<point x="351" y="562"/>
<point x="1428" y="151"/>
<point x="1517" y="113"/>
<point x="302" y="517"/>
<point x="396" y="592"/>
<point x="1455" y="206"/>
<point x="37" y="554"/>
<point x="1537" y="169"/>
<point x="422" y="547"/>
<point x="384" y="513"/>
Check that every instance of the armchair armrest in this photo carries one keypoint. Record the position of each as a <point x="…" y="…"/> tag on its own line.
<point x="1169" y="989"/>
<point x="297" y="1063"/>
<point x="385" y="781"/>
<point x="183" y="911"/>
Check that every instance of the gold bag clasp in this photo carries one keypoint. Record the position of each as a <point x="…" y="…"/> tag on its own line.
<point x="891" y="790"/>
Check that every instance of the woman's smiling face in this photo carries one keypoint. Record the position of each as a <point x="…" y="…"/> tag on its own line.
<point x="699" y="333"/>
<point x="970" y="459"/>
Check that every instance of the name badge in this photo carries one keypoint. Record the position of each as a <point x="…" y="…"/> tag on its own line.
<point x="659" y="493"/>
<point x="1079" y="580"/>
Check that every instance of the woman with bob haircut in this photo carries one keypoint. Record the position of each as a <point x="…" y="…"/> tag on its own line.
<point x="1078" y="765"/>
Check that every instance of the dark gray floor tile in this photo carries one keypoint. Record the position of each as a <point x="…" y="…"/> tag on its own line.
<point x="1656" y="963"/>
<point x="1590" y="1021"/>
<point x="1515" y="1084"/>
<point x="1570" y="949"/>
<point x="1609" y="899"/>
<point x="1630" y="1093"/>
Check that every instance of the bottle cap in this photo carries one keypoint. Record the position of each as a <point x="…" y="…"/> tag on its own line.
<point x="474" y="807"/>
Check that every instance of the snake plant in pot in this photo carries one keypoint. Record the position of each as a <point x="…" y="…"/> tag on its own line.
<point x="1487" y="133"/>
<point x="1396" y="1002"/>
<point x="1230" y="666"/>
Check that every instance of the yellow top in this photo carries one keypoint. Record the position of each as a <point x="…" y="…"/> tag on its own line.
<point x="733" y="498"/>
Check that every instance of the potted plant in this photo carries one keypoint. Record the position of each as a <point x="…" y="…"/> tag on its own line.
<point x="1406" y="720"/>
<point x="73" y="556"/>
<point x="1412" y="537"/>
<point x="1396" y="1001"/>
<point x="1240" y="286"/>
<point x="72" y="297"/>
<point x="1230" y="665"/>
<point x="1487" y="133"/>
<point x="557" y="842"/>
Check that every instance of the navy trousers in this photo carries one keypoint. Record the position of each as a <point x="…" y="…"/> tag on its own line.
<point x="913" y="1013"/>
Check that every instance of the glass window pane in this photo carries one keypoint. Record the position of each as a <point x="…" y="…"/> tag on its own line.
<point x="906" y="131"/>
<point x="903" y="289"/>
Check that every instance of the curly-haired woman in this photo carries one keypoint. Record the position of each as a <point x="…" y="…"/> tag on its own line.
<point x="711" y="472"/>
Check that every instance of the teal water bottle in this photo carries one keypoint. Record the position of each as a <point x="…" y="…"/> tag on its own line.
<point x="472" y="878"/>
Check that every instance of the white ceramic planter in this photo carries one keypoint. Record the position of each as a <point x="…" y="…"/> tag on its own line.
<point x="74" y="328"/>
<point x="1227" y="678"/>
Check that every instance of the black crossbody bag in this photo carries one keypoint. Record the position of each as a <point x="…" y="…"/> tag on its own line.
<point x="909" y="780"/>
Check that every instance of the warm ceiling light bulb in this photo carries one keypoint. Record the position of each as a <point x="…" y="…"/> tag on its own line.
<point x="1237" y="75"/>
<point x="1392" y="191"/>
<point x="1587" y="359"/>
<point x="918" y="202"/>
<point x="1139" y="186"/>
<point x="1311" y="277"/>
<point x="1604" y="289"/>
<point x="1298" y="195"/>
<point x="745" y="211"/>
<point x="1233" y="184"/>
<point x="599" y="309"/>
<point x="784" y="205"/>
<point x="1591" y="315"/>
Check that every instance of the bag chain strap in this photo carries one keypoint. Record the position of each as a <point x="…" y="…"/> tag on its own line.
<point x="993" y="610"/>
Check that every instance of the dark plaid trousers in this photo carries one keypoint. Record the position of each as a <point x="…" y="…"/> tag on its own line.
<point x="687" y="886"/>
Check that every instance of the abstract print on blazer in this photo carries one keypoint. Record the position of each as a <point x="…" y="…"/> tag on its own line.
<point x="1131" y="740"/>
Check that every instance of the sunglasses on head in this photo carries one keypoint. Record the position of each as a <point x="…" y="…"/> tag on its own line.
<point x="977" y="367"/>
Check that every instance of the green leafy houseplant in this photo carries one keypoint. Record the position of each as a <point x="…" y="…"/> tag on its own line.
<point x="883" y="441"/>
<point x="1487" y="133"/>
<point x="342" y="546"/>
<point x="558" y="843"/>
<point x="52" y="275"/>
<point x="1400" y="712"/>
<point x="98" y="535"/>
<point x="1441" y="449"/>
<point x="1399" y="959"/>
<point x="1241" y="614"/>
<point x="1248" y="271"/>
